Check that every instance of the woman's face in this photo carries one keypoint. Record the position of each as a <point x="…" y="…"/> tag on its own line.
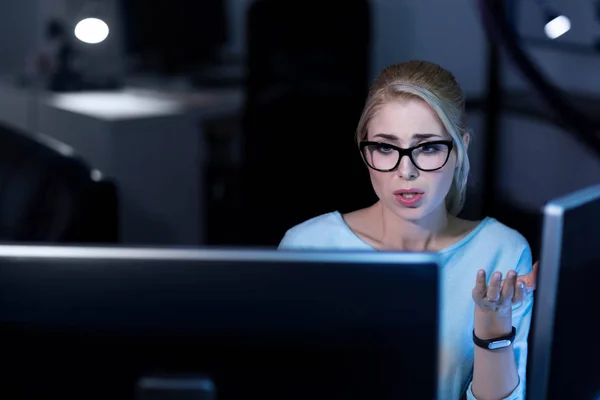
<point x="407" y="191"/>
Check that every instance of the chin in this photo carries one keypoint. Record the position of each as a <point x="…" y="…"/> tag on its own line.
<point x="412" y="213"/>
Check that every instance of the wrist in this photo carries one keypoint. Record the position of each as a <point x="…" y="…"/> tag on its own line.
<point x="491" y="325"/>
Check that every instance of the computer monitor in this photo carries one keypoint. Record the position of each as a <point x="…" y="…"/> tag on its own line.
<point x="565" y="357"/>
<point x="91" y="322"/>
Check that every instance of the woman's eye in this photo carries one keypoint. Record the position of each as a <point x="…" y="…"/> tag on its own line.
<point x="384" y="149"/>
<point x="429" y="149"/>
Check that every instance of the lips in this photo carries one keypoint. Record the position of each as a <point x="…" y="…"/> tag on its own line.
<point x="408" y="192"/>
<point x="409" y="197"/>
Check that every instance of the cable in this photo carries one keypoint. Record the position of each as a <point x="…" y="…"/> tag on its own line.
<point x="499" y="31"/>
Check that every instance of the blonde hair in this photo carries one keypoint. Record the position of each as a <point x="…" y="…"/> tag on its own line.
<point x="438" y="88"/>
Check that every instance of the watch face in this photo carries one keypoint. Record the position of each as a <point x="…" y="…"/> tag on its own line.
<point x="499" y="344"/>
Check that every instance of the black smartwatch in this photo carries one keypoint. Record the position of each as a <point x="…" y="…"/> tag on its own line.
<point x="496" y="343"/>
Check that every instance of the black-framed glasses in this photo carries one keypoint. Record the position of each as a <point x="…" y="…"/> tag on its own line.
<point x="385" y="157"/>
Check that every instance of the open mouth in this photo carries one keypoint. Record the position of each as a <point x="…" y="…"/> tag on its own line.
<point x="409" y="195"/>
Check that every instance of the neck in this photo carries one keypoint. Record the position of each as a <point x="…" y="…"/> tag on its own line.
<point x="412" y="235"/>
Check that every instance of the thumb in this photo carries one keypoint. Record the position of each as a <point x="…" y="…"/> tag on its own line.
<point x="530" y="280"/>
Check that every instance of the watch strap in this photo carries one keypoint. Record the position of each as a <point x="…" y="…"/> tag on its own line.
<point x="495" y="343"/>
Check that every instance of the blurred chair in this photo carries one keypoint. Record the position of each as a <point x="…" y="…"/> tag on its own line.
<point x="50" y="196"/>
<point x="307" y="80"/>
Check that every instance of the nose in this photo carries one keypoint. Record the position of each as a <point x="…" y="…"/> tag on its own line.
<point x="406" y="169"/>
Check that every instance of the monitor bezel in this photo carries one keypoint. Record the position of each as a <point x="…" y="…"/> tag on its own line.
<point x="547" y="286"/>
<point x="208" y="254"/>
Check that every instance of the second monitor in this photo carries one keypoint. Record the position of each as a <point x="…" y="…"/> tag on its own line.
<point x="565" y="357"/>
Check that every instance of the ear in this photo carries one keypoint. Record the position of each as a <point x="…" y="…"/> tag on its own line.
<point x="466" y="139"/>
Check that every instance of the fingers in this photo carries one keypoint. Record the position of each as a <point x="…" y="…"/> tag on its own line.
<point x="480" y="289"/>
<point x="508" y="289"/>
<point x="532" y="283"/>
<point x="520" y="292"/>
<point x="527" y="279"/>
<point x="530" y="280"/>
<point x="493" y="290"/>
<point x="527" y="284"/>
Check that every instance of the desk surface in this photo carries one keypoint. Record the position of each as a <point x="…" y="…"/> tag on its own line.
<point x="161" y="183"/>
<point x="136" y="103"/>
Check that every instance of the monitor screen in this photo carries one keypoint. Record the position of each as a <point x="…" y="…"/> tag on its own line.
<point x="564" y="362"/>
<point x="95" y="322"/>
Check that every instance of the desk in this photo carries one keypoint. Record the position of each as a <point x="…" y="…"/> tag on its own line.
<point x="149" y="143"/>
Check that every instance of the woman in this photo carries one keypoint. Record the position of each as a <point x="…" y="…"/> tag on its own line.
<point x="413" y="137"/>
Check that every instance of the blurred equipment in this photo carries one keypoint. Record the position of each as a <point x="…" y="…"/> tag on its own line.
<point x="308" y="65"/>
<point x="56" y="64"/>
<point x="575" y="114"/>
<point x="584" y="127"/>
<point x="557" y="26"/>
<point x="562" y="365"/>
<point x="91" y="30"/>
<point x="556" y="23"/>
<point x="176" y="387"/>
<point x="244" y="324"/>
<point x="49" y="195"/>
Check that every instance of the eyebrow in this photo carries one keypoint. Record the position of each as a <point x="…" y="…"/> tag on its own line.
<point x="416" y="136"/>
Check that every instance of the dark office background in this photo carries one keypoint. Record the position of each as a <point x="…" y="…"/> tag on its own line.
<point x="273" y="90"/>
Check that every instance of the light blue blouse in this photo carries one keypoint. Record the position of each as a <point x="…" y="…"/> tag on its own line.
<point x="491" y="246"/>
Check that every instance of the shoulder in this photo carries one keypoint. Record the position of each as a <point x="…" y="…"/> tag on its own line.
<point x="503" y="235"/>
<point x="505" y="245"/>
<point x="316" y="232"/>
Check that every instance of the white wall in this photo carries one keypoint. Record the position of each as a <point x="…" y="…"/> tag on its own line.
<point x="449" y="33"/>
<point x="542" y="162"/>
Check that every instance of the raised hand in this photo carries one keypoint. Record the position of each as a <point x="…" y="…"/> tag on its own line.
<point x="499" y="295"/>
<point x="493" y="303"/>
